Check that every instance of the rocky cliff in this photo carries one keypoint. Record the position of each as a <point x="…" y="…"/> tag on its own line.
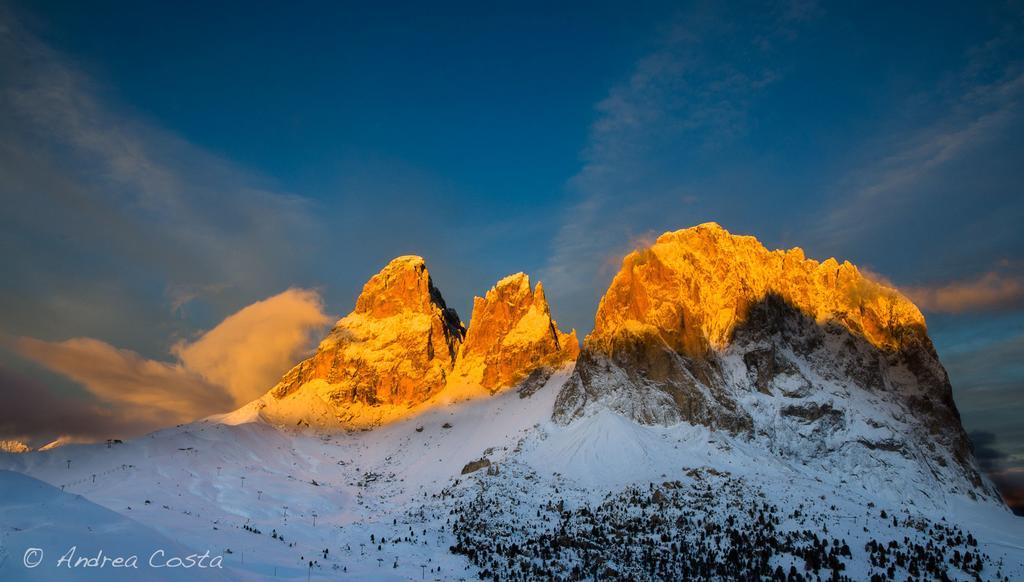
<point x="814" y="359"/>
<point x="693" y="287"/>
<point x="395" y="350"/>
<point x="402" y="349"/>
<point x="814" y="362"/>
<point x="511" y="335"/>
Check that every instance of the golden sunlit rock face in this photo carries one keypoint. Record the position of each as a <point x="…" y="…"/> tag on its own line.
<point x="403" y="348"/>
<point x="396" y="348"/>
<point x="816" y="360"/>
<point x="692" y="288"/>
<point x="511" y="335"/>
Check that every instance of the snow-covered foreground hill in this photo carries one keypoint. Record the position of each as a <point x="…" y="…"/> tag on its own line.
<point x="602" y="496"/>
<point x="37" y="517"/>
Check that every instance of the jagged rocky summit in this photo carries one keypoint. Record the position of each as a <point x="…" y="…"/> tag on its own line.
<point x="403" y="347"/>
<point x="813" y="359"/>
<point x="511" y="335"/>
<point x="397" y="347"/>
<point x="811" y="362"/>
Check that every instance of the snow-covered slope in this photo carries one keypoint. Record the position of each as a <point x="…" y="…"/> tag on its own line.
<point x="47" y="534"/>
<point x="404" y="485"/>
<point x="204" y="483"/>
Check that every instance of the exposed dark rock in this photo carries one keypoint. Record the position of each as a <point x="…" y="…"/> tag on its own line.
<point x="890" y="445"/>
<point x="812" y="412"/>
<point x="474" y="466"/>
<point x="534" y="382"/>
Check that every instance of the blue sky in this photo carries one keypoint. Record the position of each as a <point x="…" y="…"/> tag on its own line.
<point x="163" y="167"/>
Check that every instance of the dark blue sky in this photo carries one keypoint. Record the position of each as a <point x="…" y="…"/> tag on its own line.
<point x="163" y="167"/>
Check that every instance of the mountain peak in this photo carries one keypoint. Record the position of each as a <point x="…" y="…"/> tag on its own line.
<point x="512" y="334"/>
<point x="692" y="287"/>
<point x="404" y="284"/>
<point x="519" y="279"/>
<point x="402" y="346"/>
<point x="712" y="328"/>
<point x="395" y="350"/>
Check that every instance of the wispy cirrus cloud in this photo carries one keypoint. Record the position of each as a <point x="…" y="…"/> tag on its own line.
<point x="937" y="161"/>
<point x="693" y="91"/>
<point x="104" y="197"/>
<point x="111" y="225"/>
<point x="923" y="154"/>
<point x="229" y="365"/>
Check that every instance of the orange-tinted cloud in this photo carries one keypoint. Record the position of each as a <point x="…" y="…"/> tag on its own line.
<point x="34" y="412"/>
<point x="990" y="291"/>
<point x="156" y="391"/>
<point x="247" y="352"/>
<point x="225" y="367"/>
